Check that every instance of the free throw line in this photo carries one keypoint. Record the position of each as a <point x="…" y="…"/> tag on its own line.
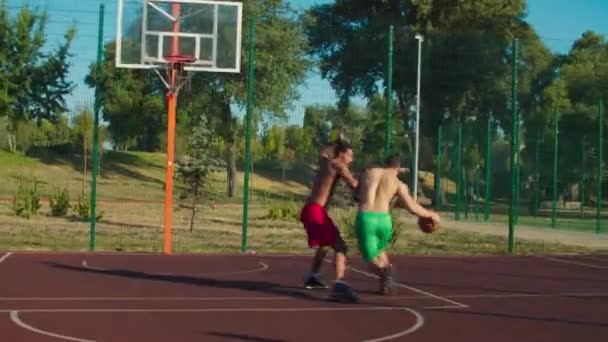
<point x="14" y="314"/>
<point x="5" y="256"/>
<point x="262" y="267"/>
<point x="17" y="320"/>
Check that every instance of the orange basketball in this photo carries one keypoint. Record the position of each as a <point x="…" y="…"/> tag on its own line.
<point x="427" y="225"/>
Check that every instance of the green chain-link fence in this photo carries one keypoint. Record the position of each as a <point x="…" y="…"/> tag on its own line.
<point x="314" y="70"/>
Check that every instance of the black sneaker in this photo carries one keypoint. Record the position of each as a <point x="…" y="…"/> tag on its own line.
<point x="314" y="283"/>
<point x="387" y="282"/>
<point x="344" y="293"/>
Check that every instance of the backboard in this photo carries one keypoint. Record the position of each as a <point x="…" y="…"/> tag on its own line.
<point x="150" y="30"/>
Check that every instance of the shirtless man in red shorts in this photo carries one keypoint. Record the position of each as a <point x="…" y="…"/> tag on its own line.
<point x="322" y="232"/>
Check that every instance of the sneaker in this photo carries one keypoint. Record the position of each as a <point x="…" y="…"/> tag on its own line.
<point x="387" y="282"/>
<point x="314" y="283"/>
<point x="344" y="293"/>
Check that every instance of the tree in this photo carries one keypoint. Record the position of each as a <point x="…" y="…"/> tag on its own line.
<point x="130" y="98"/>
<point x="280" y="66"/>
<point x="466" y="51"/>
<point x="33" y="82"/>
<point x="194" y="168"/>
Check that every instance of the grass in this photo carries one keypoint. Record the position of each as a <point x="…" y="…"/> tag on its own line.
<point x="218" y="229"/>
<point x="131" y="194"/>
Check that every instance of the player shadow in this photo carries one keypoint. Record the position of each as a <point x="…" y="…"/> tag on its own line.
<point x="242" y="337"/>
<point x="524" y="317"/>
<point x="245" y="285"/>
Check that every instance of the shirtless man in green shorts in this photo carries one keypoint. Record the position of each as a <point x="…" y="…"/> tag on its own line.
<point x="377" y="188"/>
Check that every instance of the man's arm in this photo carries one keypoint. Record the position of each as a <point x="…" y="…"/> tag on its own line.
<point x="412" y="206"/>
<point x="347" y="176"/>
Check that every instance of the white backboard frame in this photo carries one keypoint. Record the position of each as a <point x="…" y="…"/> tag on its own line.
<point x="200" y="66"/>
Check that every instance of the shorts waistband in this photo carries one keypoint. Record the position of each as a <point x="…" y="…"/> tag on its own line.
<point x="373" y="213"/>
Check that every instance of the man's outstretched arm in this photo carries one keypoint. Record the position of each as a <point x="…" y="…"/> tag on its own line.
<point x="412" y="206"/>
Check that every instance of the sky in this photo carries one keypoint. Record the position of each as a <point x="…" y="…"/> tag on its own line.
<point x="558" y="22"/>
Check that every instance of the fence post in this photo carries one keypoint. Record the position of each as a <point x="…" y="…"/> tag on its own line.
<point x="459" y="171"/>
<point x="600" y="165"/>
<point x="488" y="165"/>
<point x="555" y="156"/>
<point x="438" y="169"/>
<point x="535" y="205"/>
<point x="389" y="94"/>
<point x="250" y="103"/>
<point x="476" y="192"/>
<point x="518" y="166"/>
<point x="583" y="176"/>
<point x="514" y="139"/>
<point x="97" y="109"/>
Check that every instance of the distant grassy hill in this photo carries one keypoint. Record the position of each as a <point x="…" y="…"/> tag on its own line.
<point x="136" y="176"/>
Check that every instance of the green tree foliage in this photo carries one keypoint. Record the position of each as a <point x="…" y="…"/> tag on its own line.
<point x="280" y="66"/>
<point x="33" y="82"/>
<point x="130" y="98"/>
<point x="465" y="69"/>
<point x="194" y="168"/>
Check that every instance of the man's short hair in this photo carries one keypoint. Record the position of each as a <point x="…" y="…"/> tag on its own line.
<point x="393" y="160"/>
<point x="342" y="147"/>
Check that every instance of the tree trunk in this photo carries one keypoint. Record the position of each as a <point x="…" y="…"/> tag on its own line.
<point x="230" y="168"/>
<point x="230" y="149"/>
<point x="12" y="142"/>
<point x="193" y="215"/>
<point x="84" y="158"/>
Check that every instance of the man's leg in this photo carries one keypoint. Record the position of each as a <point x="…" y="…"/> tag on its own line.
<point x="313" y="282"/>
<point x="317" y="260"/>
<point x="342" y="291"/>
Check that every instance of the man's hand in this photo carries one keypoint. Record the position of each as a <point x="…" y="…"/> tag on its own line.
<point x="435" y="217"/>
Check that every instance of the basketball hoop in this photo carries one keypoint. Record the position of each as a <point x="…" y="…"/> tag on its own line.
<point x="176" y="63"/>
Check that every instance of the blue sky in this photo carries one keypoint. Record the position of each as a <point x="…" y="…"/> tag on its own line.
<point x="558" y="22"/>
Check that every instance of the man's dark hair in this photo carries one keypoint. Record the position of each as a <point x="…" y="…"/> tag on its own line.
<point x="393" y="160"/>
<point x="341" y="147"/>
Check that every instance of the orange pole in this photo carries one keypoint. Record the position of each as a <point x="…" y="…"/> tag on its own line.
<point x="171" y="101"/>
<point x="172" y="104"/>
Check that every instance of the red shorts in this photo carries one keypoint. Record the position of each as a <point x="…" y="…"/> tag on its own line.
<point x="320" y="229"/>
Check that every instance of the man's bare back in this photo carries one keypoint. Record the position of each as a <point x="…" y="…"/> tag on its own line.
<point x="378" y="186"/>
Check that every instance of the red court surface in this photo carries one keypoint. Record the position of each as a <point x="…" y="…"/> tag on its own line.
<point x="134" y="297"/>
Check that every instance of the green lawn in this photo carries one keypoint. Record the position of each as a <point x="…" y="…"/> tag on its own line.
<point x="131" y="194"/>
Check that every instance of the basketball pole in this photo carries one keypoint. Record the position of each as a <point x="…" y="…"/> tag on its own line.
<point x="171" y="104"/>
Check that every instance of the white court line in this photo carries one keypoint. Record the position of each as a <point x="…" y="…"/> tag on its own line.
<point x="454" y="303"/>
<point x="263" y="267"/>
<point x="576" y="263"/>
<point x="593" y="258"/>
<point x="15" y="318"/>
<point x="277" y="298"/>
<point x="5" y="256"/>
<point x="417" y="325"/>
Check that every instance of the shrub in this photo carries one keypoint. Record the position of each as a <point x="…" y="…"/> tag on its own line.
<point x="283" y="211"/>
<point x="60" y="202"/>
<point x="26" y="200"/>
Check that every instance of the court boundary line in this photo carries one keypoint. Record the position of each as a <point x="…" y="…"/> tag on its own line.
<point x="264" y="267"/>
<point x="575" y="263"/>
<point x="593" y="258"/>
<point x="5" y="256"/>
<point x="419" y="319"/>
<point x="280" y="298"/>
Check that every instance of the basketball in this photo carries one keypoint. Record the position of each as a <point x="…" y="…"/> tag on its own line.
<point x="427" y="225"/>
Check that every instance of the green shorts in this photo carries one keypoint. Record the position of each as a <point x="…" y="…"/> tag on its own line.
<point x="374" y="231"/>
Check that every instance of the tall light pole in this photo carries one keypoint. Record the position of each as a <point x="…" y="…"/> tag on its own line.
<point x="417" y="141"/>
